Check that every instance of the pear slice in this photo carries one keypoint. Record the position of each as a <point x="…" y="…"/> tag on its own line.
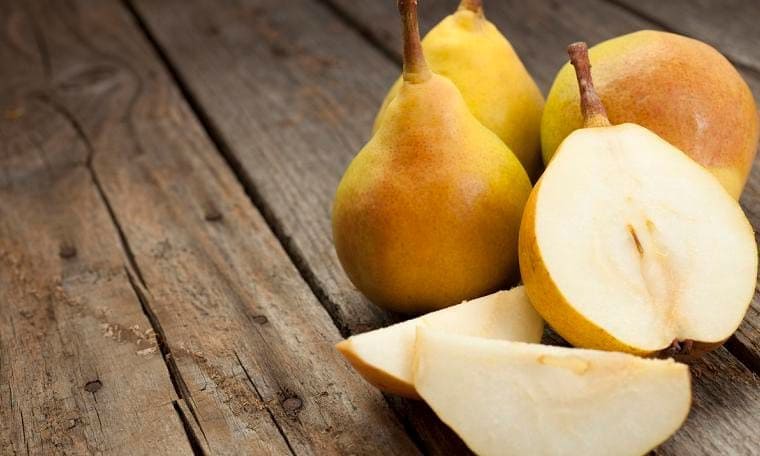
<point x="505" y="397"/>
<point x="384" y="356"/>
<point x="627" y="244"/>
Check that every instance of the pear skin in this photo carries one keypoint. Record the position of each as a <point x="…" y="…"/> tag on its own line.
<point x="468" y="49"/>
<point x="680" y="88"/>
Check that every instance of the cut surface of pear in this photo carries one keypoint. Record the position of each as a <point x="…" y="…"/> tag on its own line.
<point x="627" y="244"/>
<point x="504" y="397"/>
<point x="468" y="49"/>
<point x="637" y="241"/>
<point x="384" y="356"/>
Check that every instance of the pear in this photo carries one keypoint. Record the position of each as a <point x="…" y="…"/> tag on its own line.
<point x="469" y="50"/>
<point x="427" y="214"/>
<point x="505" y="397"/>
<point x="384" y="356"/>
<point x="627" y="244"/>
<point x="680" y="88"/>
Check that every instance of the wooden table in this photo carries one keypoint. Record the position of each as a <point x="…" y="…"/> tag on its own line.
<point x="168" y="283"/>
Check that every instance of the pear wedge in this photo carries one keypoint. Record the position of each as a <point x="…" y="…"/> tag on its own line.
<point x="627" y="244"/>
<point x="505" y="397"/>
<point x="384" y="356"/>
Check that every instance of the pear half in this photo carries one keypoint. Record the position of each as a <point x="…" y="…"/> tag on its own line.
<point x="627" y="244"/>
<point x="384" y="356"/>
<point x="505" y="397"/>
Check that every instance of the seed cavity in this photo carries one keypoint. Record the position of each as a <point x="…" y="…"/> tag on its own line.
<point x="636" y="240"/>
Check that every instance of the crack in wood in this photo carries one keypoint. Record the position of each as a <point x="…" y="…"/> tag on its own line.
<point x="132" y="269"/>
<point x="50" y="101"/>
<point x="23" y="430"/>
<point x="195" y="443"/>
<point x="266" y="405"/>
<point x="180" y="387"/>
<point x="39" y="41"/>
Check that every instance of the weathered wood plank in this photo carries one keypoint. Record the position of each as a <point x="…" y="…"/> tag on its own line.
<point x="79" y="370"/>
<point x="291" y="91"/>
<point x="294" y="122"/>
<point x="248" y="346"/>
<point x="729" y="25"/>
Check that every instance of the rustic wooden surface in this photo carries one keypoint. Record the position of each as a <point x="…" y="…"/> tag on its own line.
<point x="167" y="277"/>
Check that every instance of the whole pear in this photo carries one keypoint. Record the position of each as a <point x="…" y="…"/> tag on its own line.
<point x="469" y="50"/>
<point x="427" y="214"/>
<point x="680" y="88"/>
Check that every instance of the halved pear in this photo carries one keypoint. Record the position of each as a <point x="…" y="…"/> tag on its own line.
<point x="505" y="397"/>
<point x="384" y="356"/>
<point x="627" y="244"/>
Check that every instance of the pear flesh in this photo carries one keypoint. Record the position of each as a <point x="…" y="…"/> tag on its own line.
<point x="384" y="356"/>
<point x="627" y="244"/>
<point x="504" y="397"/>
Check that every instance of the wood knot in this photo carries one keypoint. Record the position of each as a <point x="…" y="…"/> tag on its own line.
<point x="213" y="215"/>
<point x="260" y="319"/>
<point x="93" y="386"/>
<point x="292" y="405"/>
<point x="67" y="251"/>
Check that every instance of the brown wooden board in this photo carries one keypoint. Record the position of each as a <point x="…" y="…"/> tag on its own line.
<point x="729" y="25"/>
<point x="79" y="371"/>
<point x="91" y="113"/>
<point x="290" y="90"/>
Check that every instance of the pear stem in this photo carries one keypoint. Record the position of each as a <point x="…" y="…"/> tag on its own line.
<point x="476" y="6"/>
<point x="415" y="66"/>
<point x="594" y="114"/>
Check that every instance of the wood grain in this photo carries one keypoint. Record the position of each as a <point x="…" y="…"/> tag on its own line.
<point x="79" y="367"/>
<point x="248" y="347"/>
<point x="293" y="104"/>
<point x="729" y="25"/>
<point x="291" y="125"/>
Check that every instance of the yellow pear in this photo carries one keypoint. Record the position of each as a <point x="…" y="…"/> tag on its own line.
<point x="427" y="214"/>
<point x="384" y="356"/>
<point x="513" y="398"/>
<point x="627" y="244"/>
<point x="469" y="50"/>
<point x="680" y="88"/>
